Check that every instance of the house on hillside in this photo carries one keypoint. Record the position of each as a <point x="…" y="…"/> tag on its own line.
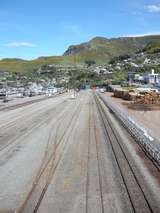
<point x="152" y="78"/>
<point x="135" y="77"/>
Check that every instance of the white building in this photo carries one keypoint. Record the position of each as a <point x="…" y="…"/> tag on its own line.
<point x="138" y="77"/>
<point x="51" y="90"/>
<point x="36" y="88"/>
<point x="147" y="61"/>
<point x="153" y="78"/>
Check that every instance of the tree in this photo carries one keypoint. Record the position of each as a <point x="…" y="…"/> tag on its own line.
<point x="119" y="76"/>
<point x="90" y="62"/>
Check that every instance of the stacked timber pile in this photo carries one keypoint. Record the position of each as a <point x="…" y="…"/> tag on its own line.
<point x="118" y="93"/>
<point x="141" y="98"/>
<point x="148" y="98"/>
<point x="124" y="94"/>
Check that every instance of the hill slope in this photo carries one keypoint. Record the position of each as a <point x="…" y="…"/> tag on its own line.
<point x="24" y="66"/>
<point x="99" y="49"/>
<point x="102" y="49"/>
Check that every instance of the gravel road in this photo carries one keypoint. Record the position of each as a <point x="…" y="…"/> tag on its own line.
<point x="68" y="155"/>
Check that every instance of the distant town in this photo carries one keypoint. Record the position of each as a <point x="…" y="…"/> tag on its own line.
<point x="140" y="70"/>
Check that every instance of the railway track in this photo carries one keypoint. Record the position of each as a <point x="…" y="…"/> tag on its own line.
<point x="99" y="169"/>
<point x="11" y="123"/>
<point x="145" y="152"/>
<point x="88" y="157"/>
<point x="138" y="198"/>
<point x="25" y="103"/>
<point x="18" y="139"/>
<point x="49" y="164"/>
<point x="93" y="140"/>
<point x="86" y="167"/>
<point x="40" y="120"/>
<point x="93" y="128"/>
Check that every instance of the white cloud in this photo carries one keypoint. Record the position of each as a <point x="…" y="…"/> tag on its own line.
<point x="153" y="8"/>
<point x="20" y="44"/>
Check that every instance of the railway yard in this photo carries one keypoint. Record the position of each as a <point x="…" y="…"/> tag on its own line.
<point x="66" y="155"/>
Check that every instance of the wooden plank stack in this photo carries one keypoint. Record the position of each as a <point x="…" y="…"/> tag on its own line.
<point x="143" y="98"/>
<point x="126" y="95"/>
<point x="148" y="98"/>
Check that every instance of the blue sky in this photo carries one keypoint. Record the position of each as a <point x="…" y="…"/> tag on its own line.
<point x="33" y="28"/>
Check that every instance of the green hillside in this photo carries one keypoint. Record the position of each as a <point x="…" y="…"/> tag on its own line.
<point x="99" y="49"/>
<point x="24" y="66"/>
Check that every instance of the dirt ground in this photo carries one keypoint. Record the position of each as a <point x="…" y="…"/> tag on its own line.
<point x="59" y="155"/>
<point x="147" y="116"/>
